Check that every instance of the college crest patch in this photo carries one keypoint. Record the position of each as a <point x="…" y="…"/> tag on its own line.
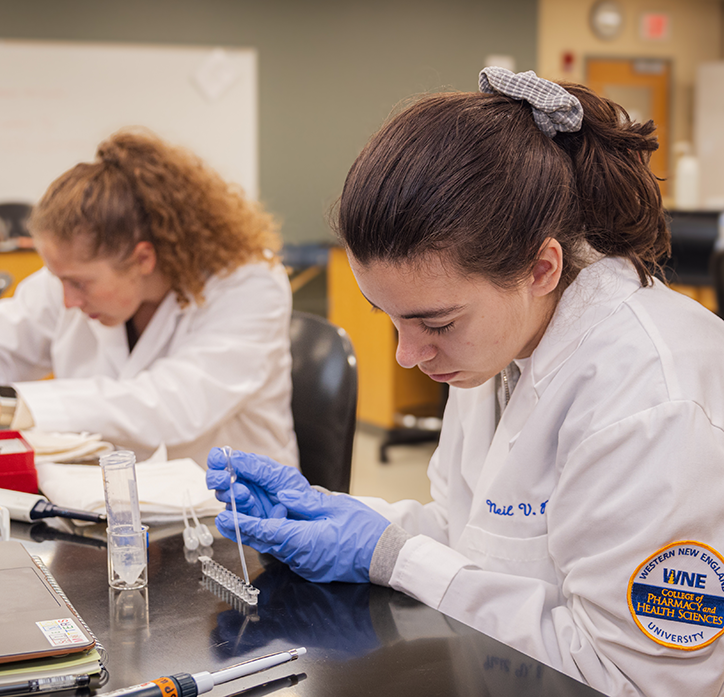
<point x="676" y="596"/>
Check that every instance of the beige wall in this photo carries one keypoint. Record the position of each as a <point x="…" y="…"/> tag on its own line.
<point x="329" y="71"/>
<point x="696" y="37"/>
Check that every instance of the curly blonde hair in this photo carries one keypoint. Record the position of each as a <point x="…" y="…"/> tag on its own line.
<point x="142" y="189"/>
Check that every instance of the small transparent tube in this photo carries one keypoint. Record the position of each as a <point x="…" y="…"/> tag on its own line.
<point x="128" y="558"/>
<point x="121" y="490"/>
<point x="127" y="537"/>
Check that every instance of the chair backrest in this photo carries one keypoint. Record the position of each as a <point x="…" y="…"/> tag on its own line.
<point x="324" y="399"/>
<point x="716" y="269"/>
<point x="14" y="217"/>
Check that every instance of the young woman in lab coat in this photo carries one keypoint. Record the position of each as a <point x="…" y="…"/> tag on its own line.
<point x="511" y="237"/>
<point x="162" y="311"/>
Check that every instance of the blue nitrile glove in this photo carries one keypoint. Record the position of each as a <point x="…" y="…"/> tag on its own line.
<point x="324" y="538"/>
<point x="259" y="478"/>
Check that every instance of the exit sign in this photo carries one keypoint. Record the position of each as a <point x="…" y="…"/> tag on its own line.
<point x="655" y="26"/>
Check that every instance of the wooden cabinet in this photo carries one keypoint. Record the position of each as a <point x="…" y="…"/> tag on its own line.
<point x="19" y="264"/>
<point x="386" y="390"/>
<point x="706" y="295"/>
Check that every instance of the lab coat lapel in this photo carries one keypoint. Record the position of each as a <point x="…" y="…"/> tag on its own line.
<point x="155" y="337"/>
<point x="112" y="345"/>
<point x="514" y="416"/>
<point x="477" y="432"/>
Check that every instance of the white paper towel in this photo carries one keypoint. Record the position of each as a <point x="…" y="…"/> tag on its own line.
<point x="161" y="488"/>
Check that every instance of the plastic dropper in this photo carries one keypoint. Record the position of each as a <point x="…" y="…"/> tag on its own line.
<point x="232" y="478"/>
<point x="206" y="539"/>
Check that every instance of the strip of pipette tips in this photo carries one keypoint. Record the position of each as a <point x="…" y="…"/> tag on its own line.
<point x="226" y="579"/>
<point x="231" y="599"/>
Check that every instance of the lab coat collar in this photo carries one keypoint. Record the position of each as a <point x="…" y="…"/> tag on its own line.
<point x="155" y="336"/>
<point x="513" y="418"/>
<point x="597" y="292"/>
<point x="111" y="340"/>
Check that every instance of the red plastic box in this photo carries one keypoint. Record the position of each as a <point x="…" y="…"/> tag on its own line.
<point x="17" y="463"/>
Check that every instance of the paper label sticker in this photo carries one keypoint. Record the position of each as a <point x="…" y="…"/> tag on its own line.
<point x="167" y="686"/>
<point x="676" y="596"/>
<point x="63" y="632"/>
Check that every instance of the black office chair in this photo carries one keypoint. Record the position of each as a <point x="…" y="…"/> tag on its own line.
<point x="14" y="217"/>
<point x="324" y="399"/>
<point x="716" y="269"/>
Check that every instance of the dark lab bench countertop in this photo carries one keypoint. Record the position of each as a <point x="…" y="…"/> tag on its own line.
<point x="361" y="639"/>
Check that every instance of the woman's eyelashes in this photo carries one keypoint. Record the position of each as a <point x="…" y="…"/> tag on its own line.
<point x="438" y="330"/>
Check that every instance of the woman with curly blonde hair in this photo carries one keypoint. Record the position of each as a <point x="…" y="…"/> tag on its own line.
<point x="162" y="310"/>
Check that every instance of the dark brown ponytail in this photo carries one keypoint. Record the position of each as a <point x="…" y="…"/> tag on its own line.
<point x="619" y="198"/>
<point x="470" y="175"/>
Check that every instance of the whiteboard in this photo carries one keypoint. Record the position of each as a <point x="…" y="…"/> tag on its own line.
<point x="59" y="100"/>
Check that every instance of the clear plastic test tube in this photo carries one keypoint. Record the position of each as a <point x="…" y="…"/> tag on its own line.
<point x="120" y="489"/>
<point x="127" y="538"/>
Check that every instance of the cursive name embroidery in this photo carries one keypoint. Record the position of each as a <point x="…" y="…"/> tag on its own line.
<point x="526" y="508"/>
<point x="505" y="510"/>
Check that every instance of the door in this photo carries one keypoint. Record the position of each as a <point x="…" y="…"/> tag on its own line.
<point x="642" y="87"/>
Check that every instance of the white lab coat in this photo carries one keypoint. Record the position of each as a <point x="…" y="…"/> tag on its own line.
<point x="202" y="376"/>
<point x="614" y="436"/>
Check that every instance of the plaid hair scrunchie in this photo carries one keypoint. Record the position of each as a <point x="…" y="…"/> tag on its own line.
<point x="554" y="109"/>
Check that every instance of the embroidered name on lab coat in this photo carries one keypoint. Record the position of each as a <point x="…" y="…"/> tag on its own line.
<point x="676" y="596"/>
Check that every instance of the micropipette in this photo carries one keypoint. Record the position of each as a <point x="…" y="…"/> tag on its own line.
<point x="186" y="685"/>
<point x="31" y="507"/>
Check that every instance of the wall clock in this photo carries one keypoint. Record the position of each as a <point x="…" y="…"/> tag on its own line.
<point x="606" y="19"/>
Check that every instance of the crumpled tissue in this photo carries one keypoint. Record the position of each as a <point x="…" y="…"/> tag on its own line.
<point x="66" y="447"/>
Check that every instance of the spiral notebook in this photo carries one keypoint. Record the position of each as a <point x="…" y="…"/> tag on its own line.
<point x="36" y="619"/>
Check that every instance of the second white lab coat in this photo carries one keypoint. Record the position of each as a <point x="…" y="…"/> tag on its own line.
<point x="611" y="448"/>
<point x="201" y="376"/>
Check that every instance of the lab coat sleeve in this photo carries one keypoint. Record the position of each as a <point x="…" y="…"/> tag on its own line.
<point x="27" y="325"/>
<point x="624" y="493"/>
<point x="236" y="340"/>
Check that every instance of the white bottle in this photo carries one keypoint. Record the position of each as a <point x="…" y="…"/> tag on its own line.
<point x="686" y="179"/>
<point x="719" y="243"/>
<point x="4" y="524"/>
